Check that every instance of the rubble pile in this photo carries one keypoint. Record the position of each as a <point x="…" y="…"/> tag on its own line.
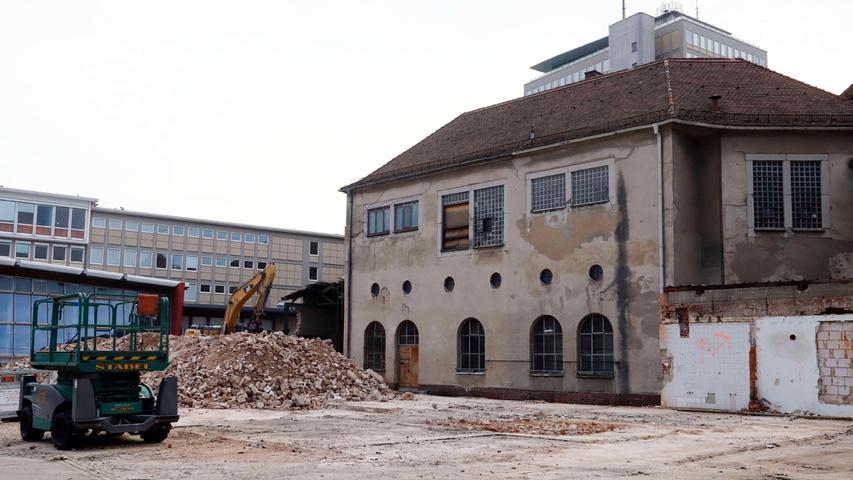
<point x="529" y="426"/>
<point x="264" y="371"/>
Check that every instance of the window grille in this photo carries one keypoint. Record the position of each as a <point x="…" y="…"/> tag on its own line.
<point x="806" y="195"/>
<point x="374" y="347"/>
<point x="472" y="346"/>
<point x="547" y="346"/>
<point x="548" y="193"/>
<point x="768" y="194"/>
<point x="408" y="334"/>
<point x="489" y="216"/>
<point x="595" y="350"/>
<point x="590" y="185"/>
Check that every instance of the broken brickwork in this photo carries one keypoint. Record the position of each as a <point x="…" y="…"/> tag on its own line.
<point x="835" y="360"/>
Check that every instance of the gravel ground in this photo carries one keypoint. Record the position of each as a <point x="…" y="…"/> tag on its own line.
<point x="438" y="437"/>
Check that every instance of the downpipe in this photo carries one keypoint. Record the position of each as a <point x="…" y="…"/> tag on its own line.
<point x="661" y="263"/>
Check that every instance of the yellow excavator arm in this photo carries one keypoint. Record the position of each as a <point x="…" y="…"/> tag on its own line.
<point x="258" y="285"/>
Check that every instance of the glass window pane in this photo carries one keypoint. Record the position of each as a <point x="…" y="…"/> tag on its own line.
<point x="26" y="213"/>
<point x="96" y="255"/>
<point x="60" y="218"/>
<point x="7" y="211"/>
<point x="44" y="217"/>
<point x="78" y="218"/>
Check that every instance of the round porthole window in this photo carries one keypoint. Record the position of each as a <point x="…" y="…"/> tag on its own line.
<point x="407" y="287"/>
<point x="449" y="284"/>
<point x="495" y="280"/>
<point x="596" y="272"/>
<point x="546" y="277"/>
<point x="374" y="289"/>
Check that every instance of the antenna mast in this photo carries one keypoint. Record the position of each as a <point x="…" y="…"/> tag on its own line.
<point x="623" y="9"/>
<point x="697" y="9"/>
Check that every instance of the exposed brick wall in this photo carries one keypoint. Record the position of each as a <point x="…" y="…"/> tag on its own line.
<point x="590" y="398"/>
<point x="835" y="360"/>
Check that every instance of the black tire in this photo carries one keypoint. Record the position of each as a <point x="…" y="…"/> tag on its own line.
<point x="28" y="433"/>
<point x="157" y="433"/>
<point x="62" y="431"/>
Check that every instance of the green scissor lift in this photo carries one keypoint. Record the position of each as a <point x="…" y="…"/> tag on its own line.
<point x="99" y="344"/>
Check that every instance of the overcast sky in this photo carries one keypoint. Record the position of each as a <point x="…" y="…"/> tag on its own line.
<point x="259" y="111"/>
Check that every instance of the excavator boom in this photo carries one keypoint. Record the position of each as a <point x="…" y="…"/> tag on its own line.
<point x="258" y="285"/>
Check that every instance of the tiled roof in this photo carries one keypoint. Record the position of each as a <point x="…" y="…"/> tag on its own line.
<point x="750" y="95"/>
<point x="848" y="94"/>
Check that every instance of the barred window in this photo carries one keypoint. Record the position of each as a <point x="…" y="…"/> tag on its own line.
<point x="374" y="347"/>
<point x="548" y="193"/>
<point x="768" y="194"/>
<point x="472" y="346"/>
<point x="806" y="195"/>
<point x="595" y="346"/>
<point x="407" y="333"/>
<point x="378" y="221"/>
<point x="489" y="216"/>
<point x="590" y="185"/>
<point x="546" y="352"/>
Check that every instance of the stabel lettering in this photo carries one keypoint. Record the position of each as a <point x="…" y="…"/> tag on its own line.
<point x="121" y="366"/>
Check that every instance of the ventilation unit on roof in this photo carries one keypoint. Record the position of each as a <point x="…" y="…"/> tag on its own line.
<point x="667" y="7"/>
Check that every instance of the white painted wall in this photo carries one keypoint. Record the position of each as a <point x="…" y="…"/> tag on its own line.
<point x="787" y="367"/>
<point x="710" y="368"/>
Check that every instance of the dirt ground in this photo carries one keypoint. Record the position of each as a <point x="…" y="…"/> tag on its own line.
<point x="438" y="437"/>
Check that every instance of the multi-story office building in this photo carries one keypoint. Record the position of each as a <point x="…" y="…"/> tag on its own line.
<point x="641" y="39"/>
<point x="212" y="258"/>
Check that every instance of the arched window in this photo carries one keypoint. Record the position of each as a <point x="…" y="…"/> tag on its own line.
<point x="407" y="333"/>
<point x="546" y="349"/>
<point x="374" y="347"/>
<point x="595" y="346"/>
<point x="472" y="346"/>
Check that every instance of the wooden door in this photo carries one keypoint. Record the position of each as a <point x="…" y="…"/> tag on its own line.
<point x="408" y="366"/>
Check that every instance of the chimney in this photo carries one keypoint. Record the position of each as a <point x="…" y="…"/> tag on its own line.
<point x="715" y="103"/>
<point x="592" y="74"/>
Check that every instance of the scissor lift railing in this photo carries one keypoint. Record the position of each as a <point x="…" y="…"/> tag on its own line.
<point x="87" y="333"/>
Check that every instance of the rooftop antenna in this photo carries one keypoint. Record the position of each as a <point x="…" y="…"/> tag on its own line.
<point x="697" y="9"/>
<point x="623" y="9"/>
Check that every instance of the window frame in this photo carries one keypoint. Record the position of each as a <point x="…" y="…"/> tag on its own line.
<point x="181" y="228"/>
<point x="375" y="346"/>
<point x="787" y="196"/>
<point x="216" y="262"/>
<point x="150" y="255"/>
<point x="416" y="217"/>
<point x="146" y="227"/>
<point x="558" y="354"/>
<point x="102" y="255"/>
<point x="201" y="288"/>
<point x="580" y="353"/>
<point x="29" y="250"/>
<point x="567" y="172"/>
<point x="263" y="239"/>
<point x="187" y="266"/>
<point x="130" y="258"/>
<point x="208" y="263"/>
<point x="471" y="216"/>
<point x="172" y="258"/>
<point x="316" y="252"/>
<point x="107" y="257"/>
<point x="128" y="228"/>
<point x="459" y="352"/>
<point x="157" y="256"/>
<point x="47" y="252"/>
<point x="218" y="289"/>
<point x="163" y="229"/>
<point x="59" y="248"/>
<point x="76" y="248"/>
<point x="193" y="232"/>
<point x="316" y="270"/>
<point x="375" y="208"/>
<point x="208" y="234"/>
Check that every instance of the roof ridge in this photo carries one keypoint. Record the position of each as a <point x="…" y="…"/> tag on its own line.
<point x="575" y="84"/>
<point x="670" y="100"/>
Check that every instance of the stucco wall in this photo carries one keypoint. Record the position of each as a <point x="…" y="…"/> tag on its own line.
<point x="620" y="236"/>
<point x="773" y="256"/>
<point x="787" y="362"/>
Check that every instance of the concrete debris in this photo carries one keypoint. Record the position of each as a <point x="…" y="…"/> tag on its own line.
<point x="264" y="371"/>
<point x="552" y="426"/>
